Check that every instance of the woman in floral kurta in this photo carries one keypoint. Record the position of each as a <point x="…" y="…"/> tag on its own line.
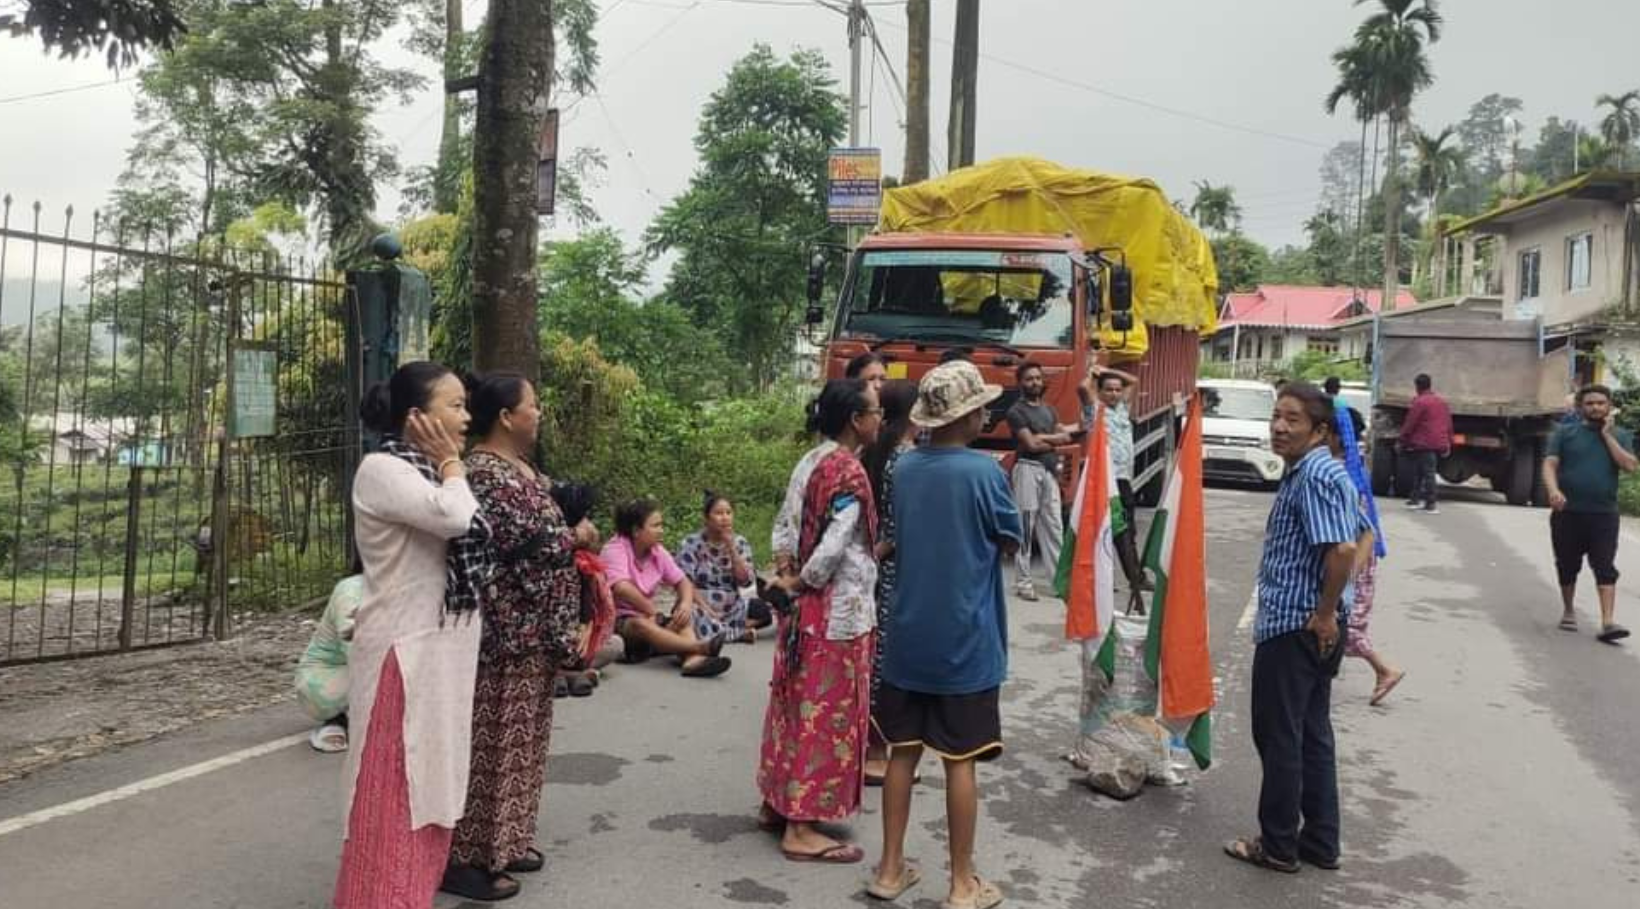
<point x="718" y="561"/>
<point x="814" y="731"/>
<point x="531" y="616"/>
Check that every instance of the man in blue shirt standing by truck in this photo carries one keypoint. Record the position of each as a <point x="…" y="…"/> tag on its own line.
<point x="1309" y="551"/>
<point x="1580" y="471"/>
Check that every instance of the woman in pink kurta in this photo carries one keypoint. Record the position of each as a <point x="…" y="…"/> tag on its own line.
<point x="415" y="643"/>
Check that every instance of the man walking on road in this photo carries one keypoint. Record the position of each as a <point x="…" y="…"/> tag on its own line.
<point x="1038" y="435"/>
<point x="1309" y="550"/>
<point x="1581" y="471"/>
<point x="1426" y="435"/>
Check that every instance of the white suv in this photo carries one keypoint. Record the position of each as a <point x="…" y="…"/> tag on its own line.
<point x="1236" y="431"/>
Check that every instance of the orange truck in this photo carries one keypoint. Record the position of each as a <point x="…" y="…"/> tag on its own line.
<point x="1024" y="289"/>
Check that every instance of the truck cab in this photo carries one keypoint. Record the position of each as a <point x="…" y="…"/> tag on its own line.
<point x="1003" y="299"/>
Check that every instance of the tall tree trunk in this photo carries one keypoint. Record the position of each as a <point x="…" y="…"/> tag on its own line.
<point x="447" y="175"/>
<point x="918" y="22"/>
<point x="349" y="192"/>
<point x="1392" y="215"/>
<point x="964" y="79"/>
<point x="514" y="80"/>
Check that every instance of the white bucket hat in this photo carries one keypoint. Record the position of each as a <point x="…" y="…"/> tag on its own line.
<point x="951" y="392"/>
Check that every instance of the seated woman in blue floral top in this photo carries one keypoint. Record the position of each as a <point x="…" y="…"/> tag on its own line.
<point x="719" y="563"/>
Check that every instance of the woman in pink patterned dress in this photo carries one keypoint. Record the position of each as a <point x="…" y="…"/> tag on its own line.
<point x="814" y="732"/>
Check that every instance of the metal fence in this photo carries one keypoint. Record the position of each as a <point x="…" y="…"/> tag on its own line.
<point x="177" y="425"/>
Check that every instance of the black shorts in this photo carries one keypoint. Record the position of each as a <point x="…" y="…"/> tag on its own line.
<point x="1578" y="535"/>
<point x="956" y="727"/>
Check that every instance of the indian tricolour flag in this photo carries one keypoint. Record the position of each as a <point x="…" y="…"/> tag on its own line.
<point x="1176" y="654"/>
<point x="1085" y="578"/>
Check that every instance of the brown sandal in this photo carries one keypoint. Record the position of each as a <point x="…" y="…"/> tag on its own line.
<point x="1251" y="850"/>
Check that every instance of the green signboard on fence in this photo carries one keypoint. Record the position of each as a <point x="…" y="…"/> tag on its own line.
<point x="255" y="391"/>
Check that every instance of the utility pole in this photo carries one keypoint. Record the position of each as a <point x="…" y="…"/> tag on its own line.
<point x="916" y="92"/>
<point x="856" y="31"/>
<point x="964" y="79"/>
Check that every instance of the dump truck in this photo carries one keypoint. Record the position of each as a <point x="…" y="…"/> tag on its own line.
<point x="1506" y="392"/>
<point x="1022" y="260"/>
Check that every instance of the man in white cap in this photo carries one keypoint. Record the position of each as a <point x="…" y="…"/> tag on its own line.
<point x="944" y="663"/>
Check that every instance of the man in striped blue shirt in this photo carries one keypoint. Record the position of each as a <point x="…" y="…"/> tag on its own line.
<point x="1309" y="549"/>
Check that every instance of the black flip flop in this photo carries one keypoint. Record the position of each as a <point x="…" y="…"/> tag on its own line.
<point x="478" y="885"/>
<point x="1613" y="634"/>
<point x="531" y="862"/>
<point x="579" y="685"/>
<point x="1251" y="850"/>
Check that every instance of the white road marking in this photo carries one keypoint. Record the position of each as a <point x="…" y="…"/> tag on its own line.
<point x="1248" y="613"/>
<point x="13" y="825"/>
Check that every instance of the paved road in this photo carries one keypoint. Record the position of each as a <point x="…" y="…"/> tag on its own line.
<point x="1500" y="774"/>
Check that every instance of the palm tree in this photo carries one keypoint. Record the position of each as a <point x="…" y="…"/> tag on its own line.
<point x="1215" y="207"/>
<point x="1381" y="73"/>
<point x="1622" y="124"/>
<point x="1596" y="153"/>
<point x="1436" y="164"/>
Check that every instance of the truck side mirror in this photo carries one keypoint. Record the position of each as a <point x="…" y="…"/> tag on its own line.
<point x="1121" y="288"/>
<point x="1121" y="298"/>
<point x="817" y="289"/>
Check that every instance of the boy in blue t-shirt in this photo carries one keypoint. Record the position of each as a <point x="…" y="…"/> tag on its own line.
<point x="946" y="658"/>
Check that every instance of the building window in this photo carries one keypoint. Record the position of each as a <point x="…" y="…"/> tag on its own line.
<point x="1275" y="347"/>
<point x="1578" y="250"/>
<point x="1531" y="262"/>
<point x="1328" y="345"/>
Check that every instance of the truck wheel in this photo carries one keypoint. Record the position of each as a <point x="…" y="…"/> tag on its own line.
<point x="1383" y="468"/>
<point x="1522" y="478"/>
<point x="1406" y="474"/>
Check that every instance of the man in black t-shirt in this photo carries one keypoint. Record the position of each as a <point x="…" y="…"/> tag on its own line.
<point x="1037" y="438"/>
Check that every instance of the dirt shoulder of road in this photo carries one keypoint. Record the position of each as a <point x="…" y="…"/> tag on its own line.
<point x="66" y="710"/>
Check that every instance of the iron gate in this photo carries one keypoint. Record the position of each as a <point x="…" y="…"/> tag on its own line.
<point x="138" y="373"/>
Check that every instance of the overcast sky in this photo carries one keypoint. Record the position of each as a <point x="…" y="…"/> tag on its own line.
<point x="1179" y="90"/>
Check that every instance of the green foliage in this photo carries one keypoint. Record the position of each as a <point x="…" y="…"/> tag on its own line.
<point x="1215" y="208"/>
<point x="1243" y="263"/>
<point x="273" y="100"/>
<point x="1555" y="156"/>
<point x="122" y="28"/>
<point x="1621" y="123"/>
<point x="742" y="229"/>
<point x="1315" y="366"/>
<point x="589" y="290"/>
<point x="1626" y="396"/>
<point x="603" y="426"/>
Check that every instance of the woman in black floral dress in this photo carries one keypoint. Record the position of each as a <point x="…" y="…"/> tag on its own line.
<point x="531" y="612"/>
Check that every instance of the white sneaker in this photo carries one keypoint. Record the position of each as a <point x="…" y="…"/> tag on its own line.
<point x="1027" y="593"/>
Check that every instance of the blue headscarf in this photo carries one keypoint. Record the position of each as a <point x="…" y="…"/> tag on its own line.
<point x="1358" y="471"/>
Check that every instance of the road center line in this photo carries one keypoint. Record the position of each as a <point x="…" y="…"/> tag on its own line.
<point x="13" y="825"/>
<point x="1248" y="613"/>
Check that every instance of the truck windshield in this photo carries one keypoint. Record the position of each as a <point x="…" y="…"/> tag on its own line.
<point x="1238" y="403"/>
<point x="1019" y="298"/>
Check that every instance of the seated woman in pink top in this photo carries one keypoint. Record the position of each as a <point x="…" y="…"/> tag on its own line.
<point x="637" y="565"/>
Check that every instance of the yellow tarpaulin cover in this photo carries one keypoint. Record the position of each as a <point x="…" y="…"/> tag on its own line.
<point x="1175" y="282"/>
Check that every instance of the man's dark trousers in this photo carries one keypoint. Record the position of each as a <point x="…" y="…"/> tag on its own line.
<point x="1427" y="462"/>
<point x="1292" y="729"/>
